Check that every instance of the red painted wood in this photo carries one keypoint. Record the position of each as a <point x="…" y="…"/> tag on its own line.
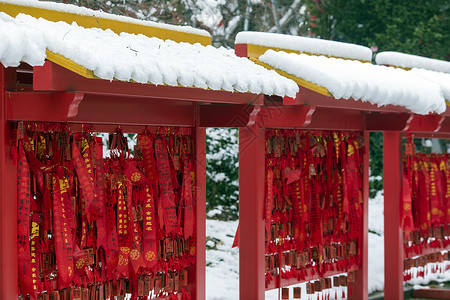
<point x="52" y="77"/>
<point x="49" y="107"/>
<point x="387" y="121"/>
<point x="81" y="108"/>
<point x="200" y="207"/>
<point x="8" y="197"/>
<point x="310" y="117"/>
<point x="251" y="221"/>
<point x="393" y="232"/>
<point x="135" y="111"/>
<point x="429" y="123"/>
<point x="286" y="117"/>
<point x="445" y="126"/>
<point x="240" y="50"/>
<point x="336" y="119"/>
<point x="274" y="284"/>
<point x="432" y="293"/>
<point x="360" y="288"/>
<point x="237" y="115"/>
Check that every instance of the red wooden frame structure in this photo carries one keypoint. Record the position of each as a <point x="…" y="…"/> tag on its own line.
<point x="430" y="127"/>
<point x="52" y="93"/>
<point x="313" y="110"/>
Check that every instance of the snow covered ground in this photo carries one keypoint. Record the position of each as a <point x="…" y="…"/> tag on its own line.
<point x="222" y="262"/>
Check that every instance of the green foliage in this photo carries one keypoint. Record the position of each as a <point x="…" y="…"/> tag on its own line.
<point x="222" y="172"/>
<point x="376" y="163"/>
<point x="413" y="26"/>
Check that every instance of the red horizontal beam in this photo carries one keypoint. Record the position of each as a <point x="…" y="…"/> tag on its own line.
<point x="50" y="107"/>
<point x="310" y="117"/>
<point x="429" y="123"/>
<point x="285" y="116"/>
<point x="237" y="115"/>
<point x="386" y="121"/>
<point x="432" y="293"/>
<point x="332" y="119"/>
<point x="99" y="109"/>
<point x="275" y="283"/>
<point x="52" y="77"/>
<point x="445" y="126"/>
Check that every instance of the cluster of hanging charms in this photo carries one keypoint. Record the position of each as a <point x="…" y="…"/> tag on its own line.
<point x="313" y="209"/>
<point x="94" y="228"/>
<point x="426" y="212"/>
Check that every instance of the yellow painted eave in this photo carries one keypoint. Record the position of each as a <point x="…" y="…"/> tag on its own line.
<point x="69" y="64"/>
<point x="98" y="22"/>
<point x="257" y="50"/>
<point x="301" y="82"/>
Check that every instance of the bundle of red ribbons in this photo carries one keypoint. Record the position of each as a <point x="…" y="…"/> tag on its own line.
<point x="91" y="227"/>
<point x="426" y="210"/>
<point x="313" y="203"/>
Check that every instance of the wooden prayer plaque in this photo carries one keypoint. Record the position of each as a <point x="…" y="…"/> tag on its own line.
<point x="140" y="287"/>
<point x="343" y="280"/>
<point x="336" y="281"/>
<point x="352" y="277"/>
<point x="317" y="286"/>
<point x="183" y="278"/>
<point x="76" y="292"/>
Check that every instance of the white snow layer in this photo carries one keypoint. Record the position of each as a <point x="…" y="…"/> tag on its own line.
<point x="69" y="8"/>
<point x="442" y="79"/>
<point x="130" y="57"/>
<point x="305" y="44"/>
<point x="347" y="79"/>
<point x="410" y="61"/>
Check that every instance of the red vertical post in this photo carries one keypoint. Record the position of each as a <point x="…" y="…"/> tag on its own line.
<point x="200" y="215"/>
<point x="251" y="204"/>
<point x="393" y="233"/>
<point x="8" y="198"/>
<point x="359" y="289"/>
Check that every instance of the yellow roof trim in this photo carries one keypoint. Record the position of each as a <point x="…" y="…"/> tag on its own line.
<point x="257" y="50"/>
<point x="447" y="102"/>
<point x="306" y="84"/>
<point x="69" y="64"/>
<point x="115" y="25"/>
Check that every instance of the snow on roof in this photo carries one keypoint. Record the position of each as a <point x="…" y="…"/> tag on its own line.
<point x="410" y="61"/>
<point x="130" y="57"/>
<point x="442" y="79"/>
<point x="305" y="44"/>
<point x="69" y="8"/>
<point x="347" y="79"/>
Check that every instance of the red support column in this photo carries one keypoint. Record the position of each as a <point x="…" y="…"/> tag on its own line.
<point x="359" y="289"/>
<point x="200" y="187"/>
<point x="8" y="199"/>
<point x="393" y="233"/>
<point x="251" y="221"/>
